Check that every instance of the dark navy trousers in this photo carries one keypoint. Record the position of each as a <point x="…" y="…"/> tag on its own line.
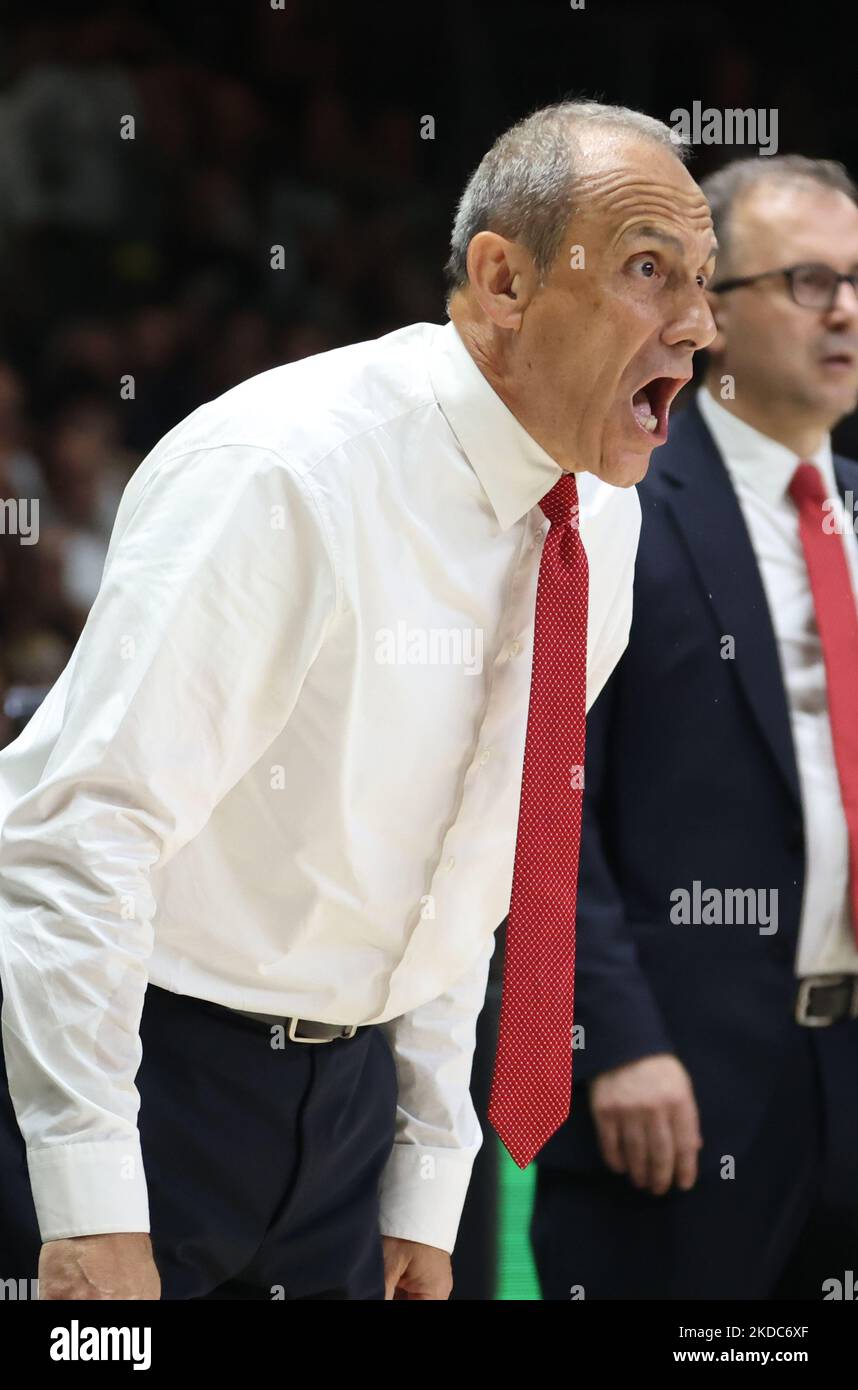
<point x="783" y="1225"/>
<point x="262" y="1163"/>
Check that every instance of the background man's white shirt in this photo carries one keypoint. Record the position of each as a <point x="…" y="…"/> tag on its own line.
<point x="761" y="470"/>
<point x="282" y="768"/>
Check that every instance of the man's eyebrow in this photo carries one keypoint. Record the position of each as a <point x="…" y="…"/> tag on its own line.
<point x="656" y="234"/>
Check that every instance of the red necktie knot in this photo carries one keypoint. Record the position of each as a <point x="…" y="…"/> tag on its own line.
<point x="560" y="505"/>
<point x="807" y="485"/>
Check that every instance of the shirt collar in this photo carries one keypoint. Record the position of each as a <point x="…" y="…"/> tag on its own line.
<point x="753" y="458"/>
<point x="514" y="471"/>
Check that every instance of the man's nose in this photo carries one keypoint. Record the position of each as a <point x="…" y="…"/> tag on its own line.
<point x="694" y="329"/>
<point x="845" y="304"/>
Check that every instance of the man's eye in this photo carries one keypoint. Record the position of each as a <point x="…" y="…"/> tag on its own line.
<point x="648" y="268"/>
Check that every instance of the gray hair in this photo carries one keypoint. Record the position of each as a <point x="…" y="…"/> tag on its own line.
<point x="524" y="186"/>
<point x="725" y="188"/>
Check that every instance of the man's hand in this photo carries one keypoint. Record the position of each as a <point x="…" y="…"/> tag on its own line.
<point x="99" y="1267"/>
<point x="415" y="1271"/>
<point x="647" y="1120"/>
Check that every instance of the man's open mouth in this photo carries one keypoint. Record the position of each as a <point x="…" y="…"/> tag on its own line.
<point x="651" y="405"/>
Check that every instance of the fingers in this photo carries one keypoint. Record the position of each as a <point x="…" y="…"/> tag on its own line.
<point x="636" y="1148"/>
<point x="393" y="1270"/>
<point x="656" y="1147"/>
<point x="661" y="1153"/>
<point x="638" y="1145"/>
<point x="686" y="1131"/>
<point x="608" y="1129"/>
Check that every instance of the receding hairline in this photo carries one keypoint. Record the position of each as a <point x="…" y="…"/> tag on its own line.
<point x="731" y="187"/>
<point x="784" y="184"/>
<point x="526" y="185"/>
<point x="751" y="204"/>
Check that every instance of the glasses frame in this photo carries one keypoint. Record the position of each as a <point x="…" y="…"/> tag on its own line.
<point x="789" y="272"/>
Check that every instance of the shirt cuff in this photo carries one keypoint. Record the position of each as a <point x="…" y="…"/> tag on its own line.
<point x="423" y="1192"/>
<point x="89" y="1189"/>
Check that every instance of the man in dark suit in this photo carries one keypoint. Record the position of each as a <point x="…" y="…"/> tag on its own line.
<point x="712" y="1147"/>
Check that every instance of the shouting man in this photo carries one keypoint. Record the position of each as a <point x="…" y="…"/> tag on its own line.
<point x="323" y="729"/>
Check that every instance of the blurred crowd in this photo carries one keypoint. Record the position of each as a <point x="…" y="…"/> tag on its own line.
<point x="137" y="276"/>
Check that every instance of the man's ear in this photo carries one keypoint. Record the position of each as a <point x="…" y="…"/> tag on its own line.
<point x="502" y="278"/>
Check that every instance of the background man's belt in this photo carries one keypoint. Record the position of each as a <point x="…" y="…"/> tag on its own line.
<point x="303" y="1030"/>
<point x="824" y="999"/>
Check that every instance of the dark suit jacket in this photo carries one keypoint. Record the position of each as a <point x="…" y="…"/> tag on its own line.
<point x="690" y="775"/>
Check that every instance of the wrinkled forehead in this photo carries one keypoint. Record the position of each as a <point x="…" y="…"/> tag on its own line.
<point x="628" y="183"/>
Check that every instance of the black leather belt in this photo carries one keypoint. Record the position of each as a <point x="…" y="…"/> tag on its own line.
<point x="825" y="999"/>
<point x="303" y="1030"/>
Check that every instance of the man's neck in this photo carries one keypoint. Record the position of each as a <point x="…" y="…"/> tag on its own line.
<point x="483" y="346"/>
<point x="796" y="432"/>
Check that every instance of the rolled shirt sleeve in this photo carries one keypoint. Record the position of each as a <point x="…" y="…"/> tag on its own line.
<point x="438" y="1135"/>
<point x="214" y="602"/>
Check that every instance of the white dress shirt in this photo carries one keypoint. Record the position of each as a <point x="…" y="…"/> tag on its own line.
<point x="281" y="770"/>
<point x="761" y="470"/>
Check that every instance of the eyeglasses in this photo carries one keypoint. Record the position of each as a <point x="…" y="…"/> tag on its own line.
<point x="812" y="286"/>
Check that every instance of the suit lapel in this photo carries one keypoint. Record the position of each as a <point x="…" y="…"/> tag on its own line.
<point x="699" y="493"/>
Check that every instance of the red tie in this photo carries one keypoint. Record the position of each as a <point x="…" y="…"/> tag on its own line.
<point x="837" y="622"/>
<point x="532" y="1082"/>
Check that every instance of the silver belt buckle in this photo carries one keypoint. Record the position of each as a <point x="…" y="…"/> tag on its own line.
<point x="802" y="1004"/>
<point x="803" y="1000"/>
<point x="349" y="1032"/>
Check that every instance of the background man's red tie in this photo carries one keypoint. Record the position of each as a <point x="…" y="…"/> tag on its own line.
<point x="837" y="622"/>
<point x="532" y="1081"/>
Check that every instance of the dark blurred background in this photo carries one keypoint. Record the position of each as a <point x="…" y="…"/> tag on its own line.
<point x="302" y="127"/>
<point x="297" y="127"/>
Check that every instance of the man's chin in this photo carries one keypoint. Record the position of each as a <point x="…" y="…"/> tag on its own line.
<point x="624" y="467"/>
<point x="837" y="405"/>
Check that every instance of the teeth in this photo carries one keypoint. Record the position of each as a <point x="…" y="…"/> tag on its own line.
<point x="651" y="423"/>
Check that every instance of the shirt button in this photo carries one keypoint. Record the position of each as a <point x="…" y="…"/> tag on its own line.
<point x="451" y="862"/>
<point x="514" y="648"/>
<point x="485" y="755"/>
